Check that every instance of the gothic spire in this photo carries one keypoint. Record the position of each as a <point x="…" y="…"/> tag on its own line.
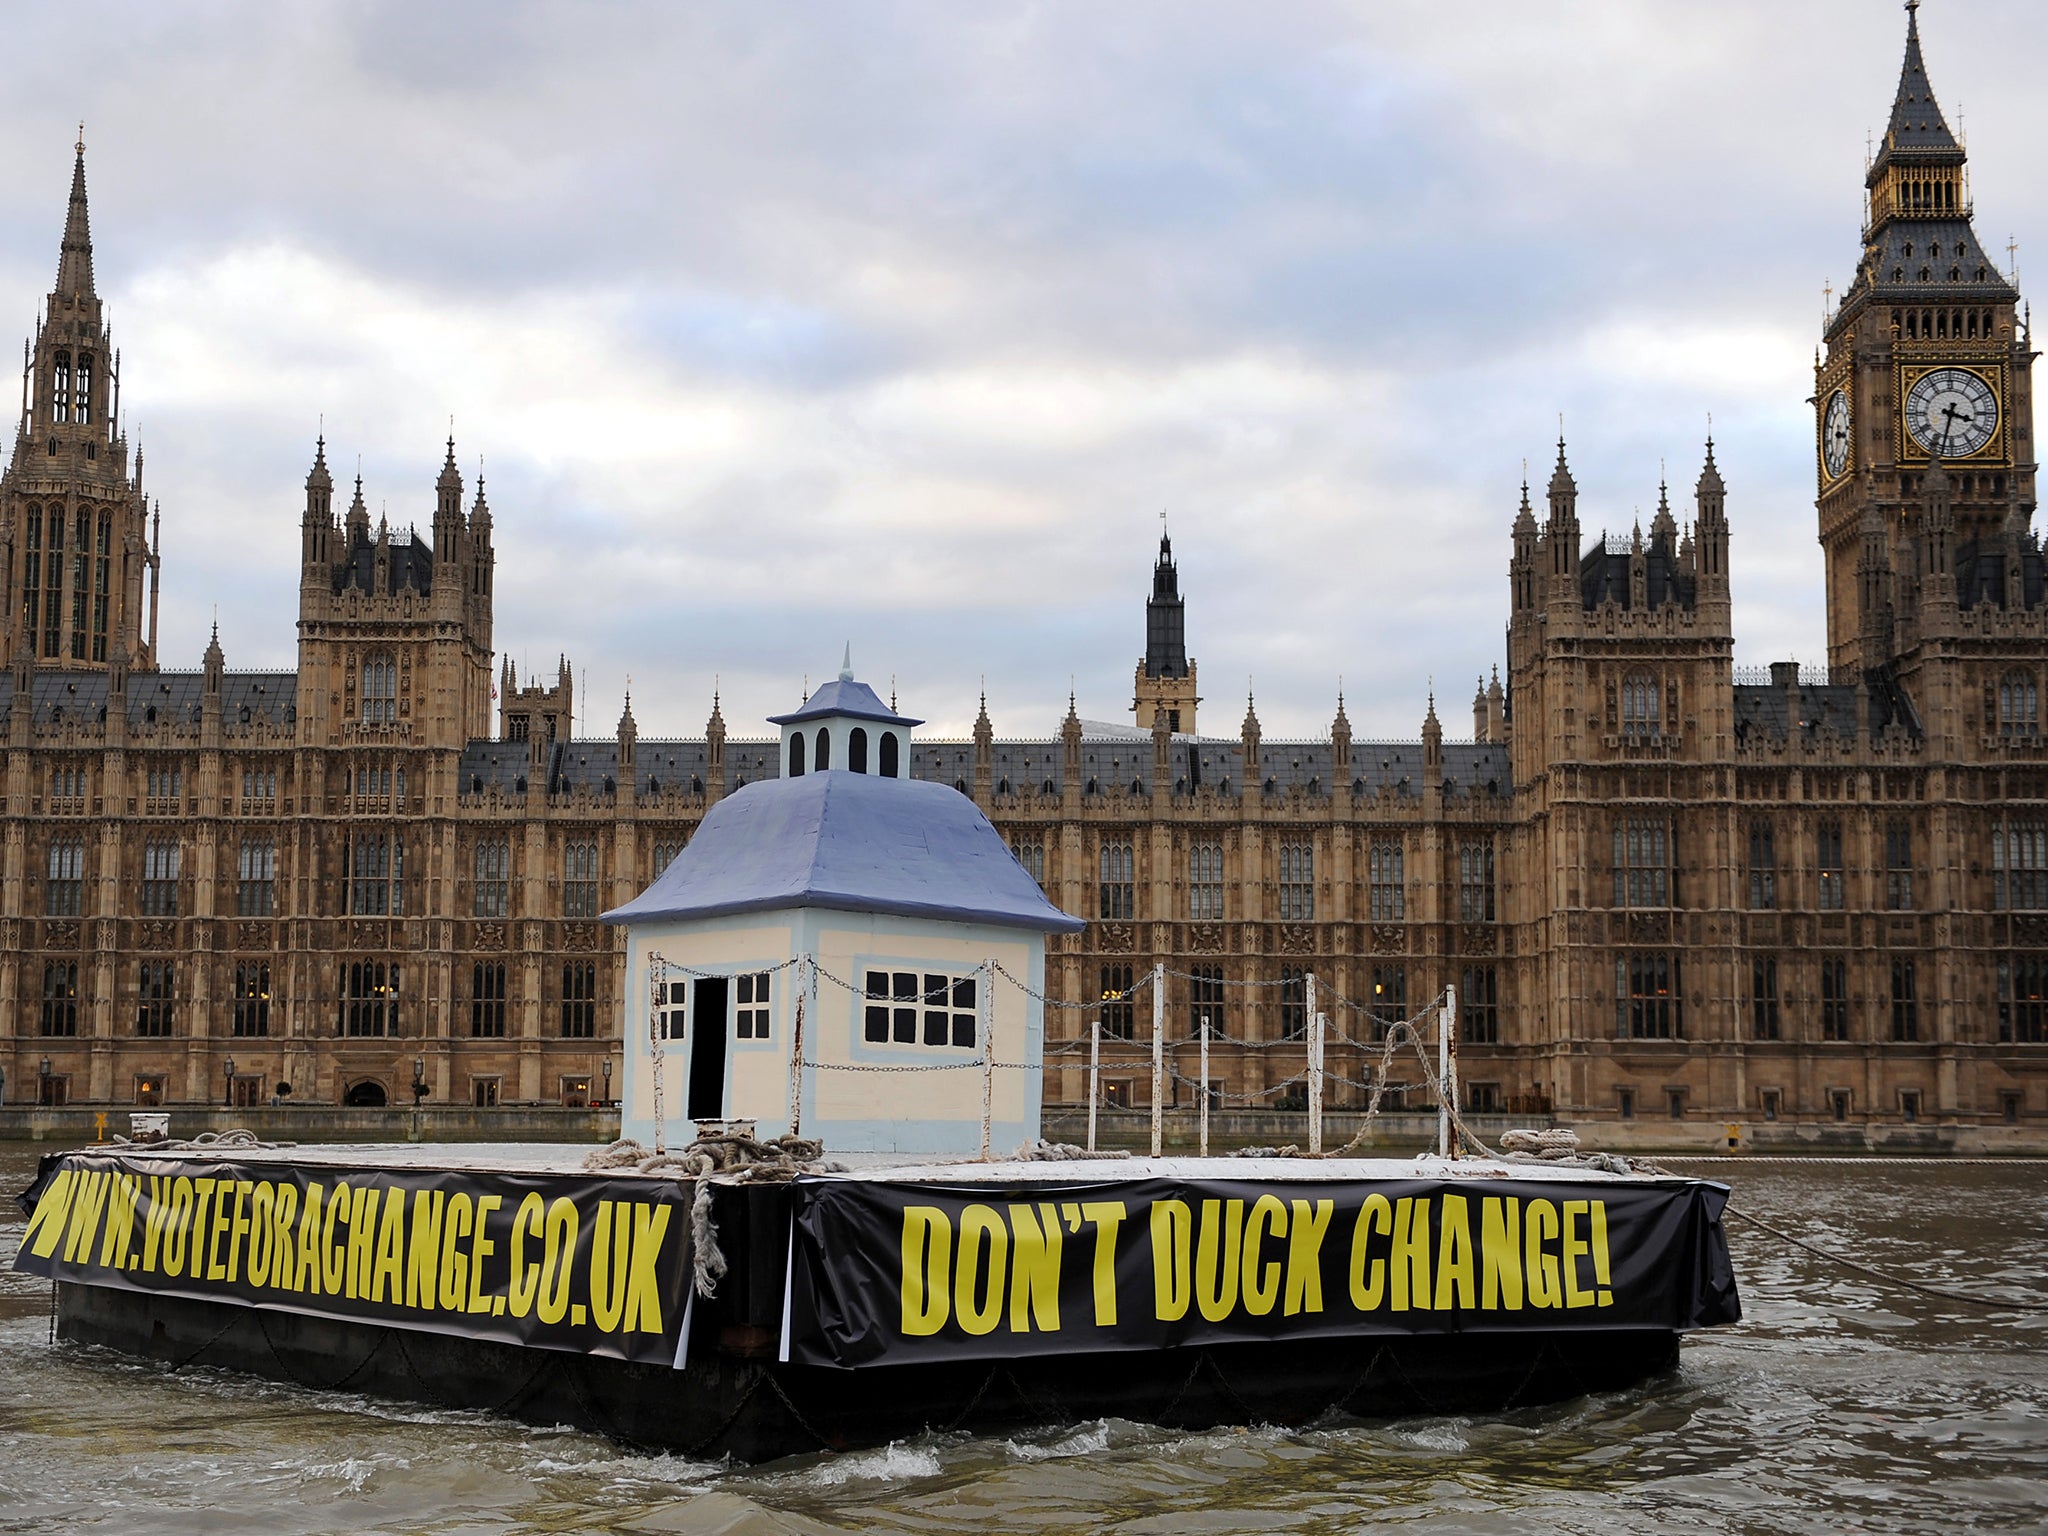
<point x="1917" y="123"/>
<point x="74" y="259"/>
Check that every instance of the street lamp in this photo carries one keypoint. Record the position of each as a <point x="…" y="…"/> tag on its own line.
<point x="607" y="1065"/>
<point x="419" y="1079"/>
<point x="227" y="1072"/>
<point x="43" y="1082"/>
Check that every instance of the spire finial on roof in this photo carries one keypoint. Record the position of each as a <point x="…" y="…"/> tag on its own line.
<point x="846" y="665"/>
<point x="74" y="258"/>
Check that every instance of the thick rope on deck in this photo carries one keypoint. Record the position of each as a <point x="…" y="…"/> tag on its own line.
<point x="1061" y="1152"/>
<point x="237" y="1140"/>
<point x="726" y="1158"/>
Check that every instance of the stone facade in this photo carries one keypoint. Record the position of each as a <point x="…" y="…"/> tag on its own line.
<point x="1662" y="889"/>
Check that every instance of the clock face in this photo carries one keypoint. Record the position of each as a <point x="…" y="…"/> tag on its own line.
<point x="1951" y="412"/>
<point x="1834" y="435"/>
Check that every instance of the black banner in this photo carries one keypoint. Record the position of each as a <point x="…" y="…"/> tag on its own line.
<point x="593" y="1264"/>
<point x="885" y="1273"/>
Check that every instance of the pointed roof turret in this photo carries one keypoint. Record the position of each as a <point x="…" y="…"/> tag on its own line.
<point x="1917" y="123"/>
<point x="1710" y="474"/>
<point x="1561" y="481"/>
<point x="480" y="509"/>
<point x="318" y="479"/>
<point x="1525" y="519"/>
<point x="214" y="659"/>
<point x="74" y="258"/>
<point x="358" y="510"/>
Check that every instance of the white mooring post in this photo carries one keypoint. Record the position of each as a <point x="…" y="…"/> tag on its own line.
<point x="1094" y="1075"/>
<point x="1158" y="1054"/>
<point x="988" y="1058"/>
<point x="657" y="996"/>
<point x="796" y="1060"/>
<point x="1319" y="1027"/>
<point x="1315" y="1066"/>
<point x="1446" y="1071"/>
<point x="1205" y="1085"/>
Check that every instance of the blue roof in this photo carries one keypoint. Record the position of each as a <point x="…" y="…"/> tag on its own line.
<point x="853" y="842"/>
<point x="845" y="697"/>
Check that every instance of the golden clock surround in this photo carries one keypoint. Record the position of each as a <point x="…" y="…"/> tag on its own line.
<point x="1995" y="372"/>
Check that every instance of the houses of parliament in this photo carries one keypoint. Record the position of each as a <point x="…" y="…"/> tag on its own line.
<point x="1664" y="890"/>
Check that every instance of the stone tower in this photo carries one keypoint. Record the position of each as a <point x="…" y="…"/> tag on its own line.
<point x="1166" y="678"/>
<point x="394" y="631"/>
<point x="76" y="542"/>
<point x="1923" y="412"/>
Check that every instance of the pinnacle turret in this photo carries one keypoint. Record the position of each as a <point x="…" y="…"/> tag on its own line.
<point x="74" y="258"/>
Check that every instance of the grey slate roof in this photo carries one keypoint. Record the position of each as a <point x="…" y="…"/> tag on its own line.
<point x="155" y="696"/>
<point x="1603" y="576"/>
<point x="1766" y="710"/>
<point x="850" y="842"/>
<point x="847" y="697"/>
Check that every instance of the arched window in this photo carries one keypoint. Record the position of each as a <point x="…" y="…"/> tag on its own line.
<point x="380" y="691"/>
<point x="83" y="384"/>
<point x="796" y="754"/>
<point x="60" y="388"/>
<point x="891" y="762"/>
<point x="823" y="752"/>
<point x="2018" y="705"/>
<point x="1641" y="706"/>
<point x="857" y="750"/>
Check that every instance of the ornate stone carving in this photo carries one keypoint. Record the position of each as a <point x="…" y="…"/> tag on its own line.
<point x="1649" y="928"/>
<point x="1479" y="939"/>
<point x="252" y="936"/>
<point x="1117" y="938"/>
<point x="1297" y="939"/>
<point x="61" y="935"/>
<point x="366" y="935"/>
<point x="584" y="936"/>
<point x="490" y="936"/>
<point x="1389" y="939"/>
<point x="1206" y="938"/>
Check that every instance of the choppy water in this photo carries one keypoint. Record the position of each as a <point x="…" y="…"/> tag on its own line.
<point x="1839" y="1405"/>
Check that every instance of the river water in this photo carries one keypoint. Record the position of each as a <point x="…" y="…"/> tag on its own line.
<point x="1839" y="1404"/>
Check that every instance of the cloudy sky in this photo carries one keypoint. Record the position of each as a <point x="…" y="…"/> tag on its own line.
<point x="779" y="326"/>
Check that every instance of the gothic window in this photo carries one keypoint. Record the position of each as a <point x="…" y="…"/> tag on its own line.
<point x="1763" y="867"/>
<point x="1387" y="883"/>
<point x="493" y="877"/>
<point x="160" y="859"/>
<point x="1475" y="881"/>
<point x="256" y="878"/>
<point x="1648" y="1005"/>
<point x="81" y="584"/>
<point x="2018" y="705"/>
<point x="64" y="890"/>
<point x="82" y="388"/>
<point x="1641" y="705"/>
<point x="1297" y="883"/>
<point x="857" y="749"/>
<point x="823" y="752"/>
<point x="579" y="880"/>
<point x="53" y="585"/>
<point x="252" y="997"/>
<point x="103" y="565"/>
<point x="1898" y="866"/>
<point x="1117" y="884"/>
<point x="32" y="575"/>
<point x="375" y="874"/>
<point x="1293" y="1002"/>
<point x="579" y="1000"/>
<point x="1834" y="999"/>
<point x="487" y="1000"/>
<point x="1117" y="1022"/>
<point x="380" y="691"/>
<point x="2019" y="866"/>
<point x="1905" y="1001"/>
<point x="665" y="855"/>
<point x="60" y="388"/>
<point x="60" y="997"/>
<point x="1205" y="882"/>
<point x="1763" y="997"/>
<point x="369" y="998"/>
<point x="154" y="985"/>
<point x="1827" y="857"/>
<point x="2023" y="1000"/>
<point x="796" y="754"/>
<point x="1030" y="853"/>
<point x="1479" y="1005"/>
<point x="1389" y="1001"/>
<point x="1643" y="863"/>
<point x="1205" y="1000"/>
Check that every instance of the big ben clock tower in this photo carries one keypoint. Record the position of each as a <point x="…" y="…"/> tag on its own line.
<point x="1922" y="403"/>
